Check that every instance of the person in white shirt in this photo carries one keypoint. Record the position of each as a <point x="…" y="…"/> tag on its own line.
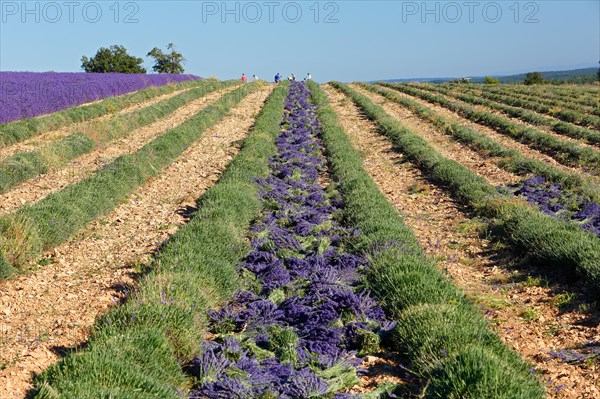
<point x="255" y="77"/>
<point x="308" y="77"/>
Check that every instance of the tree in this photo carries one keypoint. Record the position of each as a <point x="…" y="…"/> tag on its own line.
<point x="533" y="78"/>
<point x="113" y="59"/>
<point x="167" y="63"/>
<point x="491" y="81"/>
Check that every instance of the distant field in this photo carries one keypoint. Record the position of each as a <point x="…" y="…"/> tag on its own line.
<point x="298" y="240"/>
<point x="574" y="76"/>
<point x="29" y="94"/>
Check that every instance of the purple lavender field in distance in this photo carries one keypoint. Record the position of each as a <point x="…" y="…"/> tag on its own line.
<point x="28" y="94"/>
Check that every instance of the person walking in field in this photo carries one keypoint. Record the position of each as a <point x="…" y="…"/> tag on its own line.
<point x="277" y="78"/>
<point x="255" y="78"/>
<point x="244" y="78"/>
<point x="293" y="77"/>
<point x="308" y="77"/>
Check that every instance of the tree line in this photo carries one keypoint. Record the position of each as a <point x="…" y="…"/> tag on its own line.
<point x="116" y="59"/>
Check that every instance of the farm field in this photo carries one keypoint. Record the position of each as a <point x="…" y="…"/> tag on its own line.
<point x="27" y="94"/>
<point x="213" y="239"/>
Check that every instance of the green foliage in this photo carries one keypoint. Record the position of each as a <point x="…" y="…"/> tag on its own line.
<point x="284" y="342"/>
<point x="568" y="113"/>
<point x="6" y="270"/>
<point x="167" y="63"/>
<point x="339" y="377"/>
<point x="367" y="342"/>
<point x="112" y="59"/>
<point x="566" y="152"/>
<point x="491" y="81"/>
<point x="531" y="281"/>
<point x="505" y="157"/>
<point x="135" y="350"/>
<point x="551" y="242"/>
<point x="497" y="101"/>
<point x="542" y="95"/>
<point x="382" y="391"/>
<point x="430" y="332"/>
<point x="435" y="320"/>
<point x="529" y="314"/>
<point x="26" y="165"/>
<point x="18" y="240"/>
<point x="468" y="186"/>
<point x="401" y="280"/>
<point x="533" y="78"/>
<point x="135" y="365"/>
<point x="563" y="299"/>
<point x="476" y="372"/>
<point x="59" y="215"/>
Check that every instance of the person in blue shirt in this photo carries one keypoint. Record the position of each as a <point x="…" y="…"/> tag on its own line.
<point x="277" y="78"/>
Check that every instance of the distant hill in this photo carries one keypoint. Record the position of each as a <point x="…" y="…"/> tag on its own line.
<point x="583" y="74"/>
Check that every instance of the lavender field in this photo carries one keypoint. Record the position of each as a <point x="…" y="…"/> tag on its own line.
<point x="229" y="239"/>
<point x="299" y="199"/>
<point x="30" y="94"/>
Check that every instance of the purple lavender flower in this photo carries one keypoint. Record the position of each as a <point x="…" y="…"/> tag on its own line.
<point x="554" y="201"/>
<point x="308" y="315"/>
<point x="303" y="384"/>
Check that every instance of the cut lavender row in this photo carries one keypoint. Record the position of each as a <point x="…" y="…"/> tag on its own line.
<point x="29" y="94"/>
<point x="297" y="329"/>
<point x="553" y="200"/>
<point x="590" y="350"/>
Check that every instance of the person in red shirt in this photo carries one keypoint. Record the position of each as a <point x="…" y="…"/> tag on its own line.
<point x="244" y="79"/>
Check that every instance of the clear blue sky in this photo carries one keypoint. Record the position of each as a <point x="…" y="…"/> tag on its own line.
<point x="345" y="40"/>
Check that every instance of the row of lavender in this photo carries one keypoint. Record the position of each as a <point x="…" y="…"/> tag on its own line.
<point x="136" y="349"/>
<point x="29" y="94"/>
<point x="301" y="321"/>
<point x="297" y="328"/>
<point x="553" y="200"/>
